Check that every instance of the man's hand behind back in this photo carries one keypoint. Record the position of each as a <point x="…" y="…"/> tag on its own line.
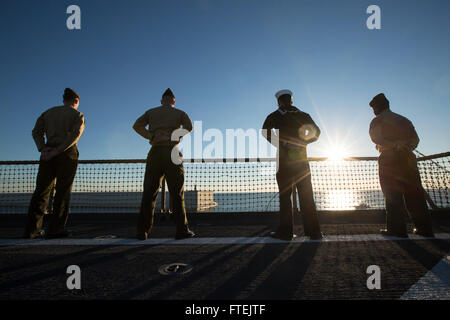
<point x="48" y="153"/>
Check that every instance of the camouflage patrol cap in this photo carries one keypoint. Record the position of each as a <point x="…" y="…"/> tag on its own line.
<point x="168" y="93"/>
<point x="379" y="99"/>
<point x="70" y="94"/>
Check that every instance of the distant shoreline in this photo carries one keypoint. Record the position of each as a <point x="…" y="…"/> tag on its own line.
<point x="105" y="202"/>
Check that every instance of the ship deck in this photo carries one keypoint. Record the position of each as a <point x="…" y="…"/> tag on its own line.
<point x="232" y="257"/>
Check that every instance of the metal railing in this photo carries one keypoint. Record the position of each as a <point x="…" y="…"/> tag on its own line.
<point x="221" y="185"/>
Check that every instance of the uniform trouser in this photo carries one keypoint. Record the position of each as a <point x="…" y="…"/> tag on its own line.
<point x="296" y="174"/>
<point x="402" y="188"/>
<point x="160" y="165"/>
<point x="61" y="169"/>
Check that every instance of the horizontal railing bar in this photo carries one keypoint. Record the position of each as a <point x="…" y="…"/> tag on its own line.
<point x="223" y="160"/>
<point x="434" y="156"/>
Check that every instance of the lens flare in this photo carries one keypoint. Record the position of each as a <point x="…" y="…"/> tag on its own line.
<point x="307" y="132"/>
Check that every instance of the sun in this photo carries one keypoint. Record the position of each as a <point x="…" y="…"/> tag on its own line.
<point x="336" y="152"/>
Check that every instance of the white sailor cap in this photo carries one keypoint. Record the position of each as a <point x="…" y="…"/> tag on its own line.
<point x="283" y="92"/>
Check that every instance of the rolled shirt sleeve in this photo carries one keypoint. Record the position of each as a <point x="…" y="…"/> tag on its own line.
<point x="140" y="126"/>
<point x="413" y="139"/>
<point x="38" y="133"/>
<point x="73" y="135"/>
<point x="186" y="122"/>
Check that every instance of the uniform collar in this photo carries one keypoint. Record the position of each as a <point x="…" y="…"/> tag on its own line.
<point x="290" y="109"/>
<point x="281" y="111"/>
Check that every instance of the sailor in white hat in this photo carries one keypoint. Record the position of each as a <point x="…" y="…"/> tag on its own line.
<point x="283" y="92"/>
<point x="296" y="130"/>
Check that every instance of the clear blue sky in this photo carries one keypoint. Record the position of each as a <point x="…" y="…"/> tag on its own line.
<point x="224" y="60"/>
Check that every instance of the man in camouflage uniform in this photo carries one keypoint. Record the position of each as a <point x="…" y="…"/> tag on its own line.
<point x="166" y="125"/>
<point x="63" y="127"/>
<point x="395" y="139"/>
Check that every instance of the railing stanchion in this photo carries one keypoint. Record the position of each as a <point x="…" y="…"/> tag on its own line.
<point x="294" y="199"/>
<point x="163" y="196"/>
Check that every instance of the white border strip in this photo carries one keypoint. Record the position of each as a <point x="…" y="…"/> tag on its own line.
<point x="435" y="285"/>
<point x="202" y="241"/>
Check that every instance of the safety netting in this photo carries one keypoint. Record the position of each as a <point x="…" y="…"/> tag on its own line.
<point x="221" y="185"/>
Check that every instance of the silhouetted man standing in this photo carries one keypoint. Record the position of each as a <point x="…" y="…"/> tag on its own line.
<point x="164" y="133"/>
<point x="395" y="139"/>
<point x="63" y="127"/>
<point x="296" y="129"/>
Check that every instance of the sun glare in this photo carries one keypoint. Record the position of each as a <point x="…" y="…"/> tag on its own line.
<point x="336" y="153"/>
